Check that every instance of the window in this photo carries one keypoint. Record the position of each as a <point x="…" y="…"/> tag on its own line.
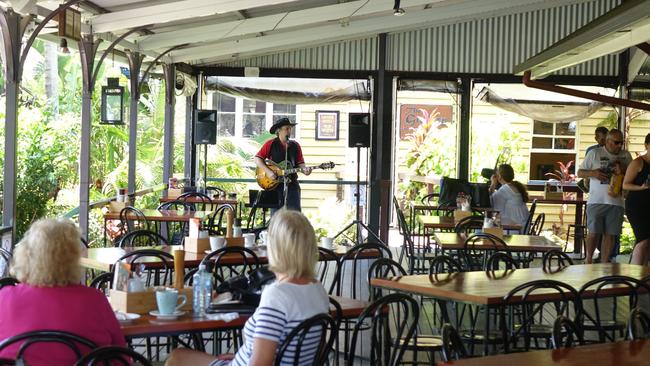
<point x="254" y="118"/>
<point x="554" y="136"/>
<point x="226" y="111"/>
<point x="285" y="110"/>
<point x="551" y="142"/>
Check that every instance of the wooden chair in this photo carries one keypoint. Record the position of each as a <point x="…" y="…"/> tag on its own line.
<point x="538" y="225"/>
<point x="638" y="324"/>
<point x="113" y="355"/>
<point x="564" y="332"/>
<point x="321" y="325"/>
<point x="75" y="343"/>
<point x="452" y="345"/>
<point x="142" y="238"/>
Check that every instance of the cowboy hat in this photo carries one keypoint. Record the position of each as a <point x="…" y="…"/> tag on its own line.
<point x="284" y="121"/>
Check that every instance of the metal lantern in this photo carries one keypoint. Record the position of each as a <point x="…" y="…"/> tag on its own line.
<point x="112" y="109"/>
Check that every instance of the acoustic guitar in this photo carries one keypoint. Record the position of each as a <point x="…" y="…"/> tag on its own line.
<point x="282" y="172"/>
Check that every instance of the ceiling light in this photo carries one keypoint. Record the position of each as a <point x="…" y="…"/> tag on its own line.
<point x="397" y="10"/>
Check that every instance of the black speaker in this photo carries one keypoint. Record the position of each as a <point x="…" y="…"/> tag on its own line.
<point x="205" y="127"/>
<point x="359" y="130"/>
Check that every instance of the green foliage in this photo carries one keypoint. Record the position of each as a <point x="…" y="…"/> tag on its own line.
<point x="627" y="239"/>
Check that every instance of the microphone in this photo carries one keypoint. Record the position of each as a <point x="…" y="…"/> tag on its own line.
<point x="286" y="138"/>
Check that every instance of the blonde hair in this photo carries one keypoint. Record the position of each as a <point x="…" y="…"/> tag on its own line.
<point x="292" y="247"/>
<point x="48" y="255"/>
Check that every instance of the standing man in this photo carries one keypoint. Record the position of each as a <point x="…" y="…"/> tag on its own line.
<point x="278" y="150"/>
<point x="600" y="135"/>
<point x="604" y="211"/>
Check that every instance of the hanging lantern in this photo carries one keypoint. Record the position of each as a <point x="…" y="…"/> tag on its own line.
<point x="112" y="109"/>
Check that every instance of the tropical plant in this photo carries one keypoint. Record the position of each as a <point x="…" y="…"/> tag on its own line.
<point x="562" y="176"/>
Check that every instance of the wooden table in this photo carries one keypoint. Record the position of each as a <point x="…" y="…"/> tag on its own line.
<point x="194" y="199"/>
<point x="103" y="259"/>
<point x="160" y="216"/>
<point x="149" y="326"/>
<point x="517" y="242"/>
<point x="448" y="222"/>
<point x="489" y="288"/>
<point x="628" y="353"/>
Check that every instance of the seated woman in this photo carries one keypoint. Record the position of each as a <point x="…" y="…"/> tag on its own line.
<point x="510" y="200"/>
<point x="50" y="295"/>
<point x="295" y="296"/>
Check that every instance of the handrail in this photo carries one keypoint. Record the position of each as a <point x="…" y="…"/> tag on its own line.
<point x="100" y="203"/>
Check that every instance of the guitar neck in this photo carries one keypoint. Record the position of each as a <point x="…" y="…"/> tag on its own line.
<point x="296" y="170"/>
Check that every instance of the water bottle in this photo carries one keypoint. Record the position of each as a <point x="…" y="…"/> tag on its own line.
<point x="236" y="229"/>
<point x="202" y="291"/>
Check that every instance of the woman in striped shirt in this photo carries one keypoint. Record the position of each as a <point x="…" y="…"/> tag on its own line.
<point x="293" y="297"/>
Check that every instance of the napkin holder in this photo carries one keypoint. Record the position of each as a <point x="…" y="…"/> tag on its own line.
<point x="459" y="215"/>
<point x="174" y="192"/>
<point x="142" y="302"/>
<point x="235" y="242"/>
<point x="496" y="231"/>
<point x="196" y="245"/>
<point x="115" y="206"/>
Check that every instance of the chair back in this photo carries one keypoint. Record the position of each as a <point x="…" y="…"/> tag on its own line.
<point x="113" y="355"/>
<point x="501" y="260"/>
<point x="228" y="262"/>
<point x="638" y="324"/>
<point x="216" y="222"/>
<point x="383" y="268"/>
<point x="160" y="265"/>
<point x="175" y="232"/>
<point x="102" y="282"/>
<point x="452" y="344"/>
<point x="564" y="332"/>
<point x="478" y="248"/>
<point x="531" y="214"/>
<point x="530" y="300"/>
<point x="326" y="268"/>
<point x="214" y="191"/>
<point x="76" y="344"/>
<point x="352" y="265"/>
<point x="560" y="258"/>
<point x="394" y="316"/>
<point x="8" y="281"/>
<point x="132" y="219"/>
<point x="468" y="224"/>
<point x="310" y="341"/>
<point x="5" y="257"/>
<point x="538" y="225"/>
<point x="443" y="263"/>
<point x="202" y="200"/>
<point x="445" y="208"/>
<point x="598" y="294"/>
<point x="430" y="199"/>
<point x="413" y="253"/>
<point x="142" y="238"/>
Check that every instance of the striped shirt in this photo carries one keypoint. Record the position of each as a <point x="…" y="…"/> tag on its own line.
<point x="282" y="307"/>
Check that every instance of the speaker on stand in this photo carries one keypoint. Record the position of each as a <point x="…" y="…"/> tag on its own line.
<point x="359" y="136"/>
<point x="205" y="133"/>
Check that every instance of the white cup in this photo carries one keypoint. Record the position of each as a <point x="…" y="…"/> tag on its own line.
<point x="249" y="240"/>
<point x="203" y="234"/>
<point x="263" y="236"/>
<point x="327" y="242"/>
<point x="217" y="242"/>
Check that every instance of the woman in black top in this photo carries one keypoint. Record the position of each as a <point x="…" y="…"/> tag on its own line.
<point x="637" y="183"/>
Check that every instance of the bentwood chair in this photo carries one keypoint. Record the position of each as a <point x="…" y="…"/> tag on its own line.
<point x="638" y="324"/>
<point x="217" y="262"/>
<point x="175" y="232"/>
<point x="554" y="260"/>
<point x="564" y="332"/>
<point x="216" y="221"/>
<point x="537" y="225"/>
<point x="203" y="201"/>
<point x="113" y="355"/>
<point x="394" y="316"/>
<point x="452" y="344"/>
<point x="311" y="341"/>
<point x="142" y="238"/>
<point x="132" y="219"/>
<point x="326" y="267"/>
<point x="415" y="252"/>
<point x="78" y="345"/>
<point x="8" y="281"/>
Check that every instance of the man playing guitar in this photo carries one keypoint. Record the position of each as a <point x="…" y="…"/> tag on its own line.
<point x="280" y="149"/>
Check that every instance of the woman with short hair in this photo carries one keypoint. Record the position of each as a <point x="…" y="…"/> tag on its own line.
<point x="296" y="295"/>
<point x="637" y="183"/>
<point x="510" y="199"/>
<point x="50" y="295"/>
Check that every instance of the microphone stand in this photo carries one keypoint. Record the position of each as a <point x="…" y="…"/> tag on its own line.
<point x="286" y="186"/>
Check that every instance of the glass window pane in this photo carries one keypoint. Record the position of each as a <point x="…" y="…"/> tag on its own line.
<point x="542" y="128"/>
<point x="253" y="125"/>
<point x="226" y="103"/>
<point x="566" y="129"/>
<point x="565" y="144"/>
<point x="226" y="124"/>
<point x="284" y="109"/>
<point x="542" y="143"/>
<point x="254" y="106"/>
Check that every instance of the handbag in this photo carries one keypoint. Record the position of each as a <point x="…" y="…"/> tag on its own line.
<point x="247" y="289"/>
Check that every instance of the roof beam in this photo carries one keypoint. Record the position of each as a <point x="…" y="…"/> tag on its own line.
<point x="624" y="26"/>
<point x="163" y="13"/>
<point x="365" y="26"/>
<point x="637" y="58"/>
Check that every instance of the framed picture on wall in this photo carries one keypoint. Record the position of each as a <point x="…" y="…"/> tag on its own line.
<point x="327" y="125"/>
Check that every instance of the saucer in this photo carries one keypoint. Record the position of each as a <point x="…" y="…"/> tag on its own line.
<point x="126" y="318"/>
<point x="171" y="316"/>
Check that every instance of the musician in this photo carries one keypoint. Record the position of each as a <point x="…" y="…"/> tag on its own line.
<point x="278" y="150"/>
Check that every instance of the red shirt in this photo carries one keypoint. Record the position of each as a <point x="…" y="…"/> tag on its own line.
<point x="266" y="152"/>
<point x="77" y="309"/>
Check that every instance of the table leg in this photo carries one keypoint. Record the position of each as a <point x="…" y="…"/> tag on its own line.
<point x="578" y="237"/>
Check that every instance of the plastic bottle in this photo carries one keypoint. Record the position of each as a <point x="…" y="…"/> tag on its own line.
<point x="200" y="185"/>
<point x="236" y="229"/>
<point x="202" y="291"/>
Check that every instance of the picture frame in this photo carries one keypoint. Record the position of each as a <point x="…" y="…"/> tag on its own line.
<point x="327" y="125"/>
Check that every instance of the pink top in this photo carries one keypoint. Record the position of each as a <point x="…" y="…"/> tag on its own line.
<point x="77" y="309"/>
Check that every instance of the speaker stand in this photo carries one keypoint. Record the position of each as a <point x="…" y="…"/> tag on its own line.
<point x="357" y="223"/>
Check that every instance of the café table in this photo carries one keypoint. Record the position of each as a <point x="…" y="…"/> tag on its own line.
<point x="628" y="353"/>
<point x="516" y="242"/>
<point x="488" y="288"/>
<point x="448" y="223"/>
<point x="103" y="259"/>
<point x="160" y="216"/>
<point x="149" y="326"/>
